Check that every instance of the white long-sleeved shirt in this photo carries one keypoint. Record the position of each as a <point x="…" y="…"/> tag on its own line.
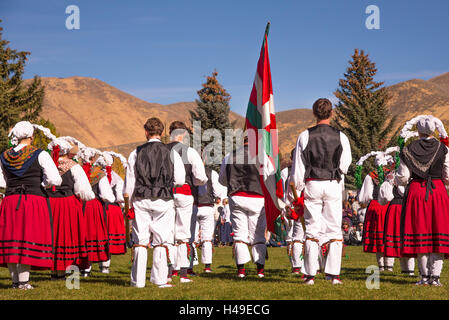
<point x="219" y="191"/>
<point x="130" y="179"/>
<point x="386" y="192"/>
<point x="106" y="192"/>
<point x="298" y="167"/>
<point x="403" y="173"/>
<point x="82" y="187"/>
<point x="366" y="192"/>
<point x="117" y="183"/>
<point x="51" y="175"/>
<point x="198" y="169"/>
<point x="285" y="181"/>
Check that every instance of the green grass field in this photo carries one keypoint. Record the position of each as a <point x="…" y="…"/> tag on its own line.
<point x="222" y="284"/>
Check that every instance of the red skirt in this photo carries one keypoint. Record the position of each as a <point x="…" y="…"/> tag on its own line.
<point x="425" y="227"/>
<point x="373" y="229"/>
<point x="97" y="231"/>
<point x="116" y="229"/>
<point x="26" y="234"/>
<point x="69" y="232"/>
<point x="392" y="231"/>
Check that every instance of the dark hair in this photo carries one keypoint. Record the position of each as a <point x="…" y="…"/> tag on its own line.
<point x="175" y="125"/>
<point x="154" y="127"/>
<point x="322" y="109"/>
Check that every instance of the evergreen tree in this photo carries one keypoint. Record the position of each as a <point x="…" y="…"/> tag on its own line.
<point x="362" y="113"/>
<point x="17" y="101"/>
<point x="40" y="140"/>
<point x="213" y="110"/>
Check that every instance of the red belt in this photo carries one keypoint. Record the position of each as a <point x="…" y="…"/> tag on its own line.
<point x="185" y="189"/>
<point x="247" y="194"/>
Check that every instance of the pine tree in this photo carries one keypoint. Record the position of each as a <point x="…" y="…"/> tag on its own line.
<point x="17" y="101"/>
<point x="213" y="110"/>
<point x="362" y="113"/>
<point x="40" y="140"/>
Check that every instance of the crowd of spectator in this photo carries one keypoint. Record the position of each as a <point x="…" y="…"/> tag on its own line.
<point x="353" y="219"/>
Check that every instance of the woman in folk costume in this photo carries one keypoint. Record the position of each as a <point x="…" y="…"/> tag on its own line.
<point x="424" y="169"/>
<point x="95" y="210"/>
<point x="393" y="194"/>
<point x="69" y="223"/>
<point x="25" y="218"/>
<point x="375" y="214"/>
<point x="115" y="217"/>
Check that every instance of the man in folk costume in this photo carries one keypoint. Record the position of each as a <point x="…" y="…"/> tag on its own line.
<point x="26" y="230"/>
<point x="295" y="230"/>
<point x="373" y="228"/>
<point x="153" y="170"/>
<point x="69" y="223"/>
<point x="240" y="175"/>
<point x="322" y="156"/>
<point x="424" y="169"/>
<point x="183" y="198"/>
<point x="95" y="210"/>
<point x="203" y="214"/>
<point x="392" y="194"/>
<point x="115" y="217"/>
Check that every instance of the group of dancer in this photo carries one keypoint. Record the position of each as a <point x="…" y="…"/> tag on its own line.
<point x="57" y="212"/>
<point x="66" y="208"/>
<point x="408" y="205"/>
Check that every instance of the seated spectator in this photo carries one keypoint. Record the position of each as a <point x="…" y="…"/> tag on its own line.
<point x="355" y="235"/>
<point x="361" y="214"/>
<point x="346" y="231"/>
<point x="348" y="215"/>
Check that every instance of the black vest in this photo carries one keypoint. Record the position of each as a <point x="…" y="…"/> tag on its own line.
<point x="376" y="192"/>
<point x="398" y="198"/>
<point x="322" y="153"/>
<point x="181" y="148"/>
<point x="154" y="171"/>
<point x="28" y="183"/>
<point x="207" y="197"/>
<point x="65" y="189"/>
<point x="242" y="176"/>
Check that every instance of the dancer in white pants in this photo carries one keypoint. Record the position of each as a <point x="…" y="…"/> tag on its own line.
<point x="153" y="170"/>
<point x="195" y="175"/>
<point x="322" y="156"/>
<point x="246" y="202"/>
<point x="203" y="214"/>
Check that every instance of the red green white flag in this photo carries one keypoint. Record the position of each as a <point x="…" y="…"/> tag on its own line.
<point x="260" y="117"/>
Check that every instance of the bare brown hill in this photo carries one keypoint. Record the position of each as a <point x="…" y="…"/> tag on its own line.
<point x="102" y="116"/>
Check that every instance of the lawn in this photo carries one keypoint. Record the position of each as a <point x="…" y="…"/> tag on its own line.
<point x="222" y="284"/>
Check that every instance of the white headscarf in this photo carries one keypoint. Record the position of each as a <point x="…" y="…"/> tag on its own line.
<point x="22" y="130"/>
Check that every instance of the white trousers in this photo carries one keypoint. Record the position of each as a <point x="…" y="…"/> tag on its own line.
<point x="248" y="224"/>
<point x="184" y="225"/>
<point x="297" y="235"/>
<point x="156" y="218"/>
<point x="323" y="217"/>
<point x="204" y="231"/>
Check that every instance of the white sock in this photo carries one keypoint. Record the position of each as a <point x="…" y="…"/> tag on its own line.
<point x="380" y="259"/>
<point x="436" y="264"/>
<point x="24" y="272"/>
<point x="423" y="261"/>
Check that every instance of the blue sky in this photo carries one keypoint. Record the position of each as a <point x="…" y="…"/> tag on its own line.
<point x="161" y="51"/>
